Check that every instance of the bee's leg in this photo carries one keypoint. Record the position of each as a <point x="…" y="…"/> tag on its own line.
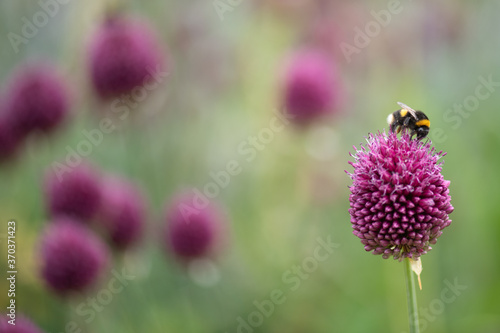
<point x="399" y="130"/>
<point x="406" y="122"/>
<point x="392" y="127"/>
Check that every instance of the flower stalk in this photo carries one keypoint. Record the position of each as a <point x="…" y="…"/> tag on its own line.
<point x="411" y="295"/>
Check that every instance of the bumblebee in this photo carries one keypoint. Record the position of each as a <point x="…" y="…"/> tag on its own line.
<point x="406" y="118"/>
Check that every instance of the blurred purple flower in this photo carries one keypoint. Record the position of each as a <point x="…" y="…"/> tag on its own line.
<point x="23" y="325"/>
<point x="37" y="99"/>
<point x="399" y="199"/>
<point x="72" y="257"/>
<point x="76" y="194"/>
<point x="122" y="214"/>
<point x="192" y="232"/>
<point x="311" y="88"/>
<point x="123" y="54"/>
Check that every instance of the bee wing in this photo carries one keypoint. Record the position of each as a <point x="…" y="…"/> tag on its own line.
<point x="409" y="109"/>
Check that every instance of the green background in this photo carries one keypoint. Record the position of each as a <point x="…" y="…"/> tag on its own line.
<point x="222" y="88"/>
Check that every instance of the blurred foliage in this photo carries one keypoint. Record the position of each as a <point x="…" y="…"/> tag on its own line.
<point x="222" y="87"/>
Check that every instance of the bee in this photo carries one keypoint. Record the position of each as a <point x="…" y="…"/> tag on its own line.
<point x="406" y="118"/>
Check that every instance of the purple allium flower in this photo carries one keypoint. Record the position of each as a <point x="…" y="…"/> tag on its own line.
<point x="76" y="193"/>
<point x="123" y="53"/>
<point x="311" y="87"/>
<point x="192" y="232"/>
<point x="37" y="99"/>
<point x="399" y="200"/>
<point x="23" y="325"/>
<point x="72" y="257"/>
<point x="122" y="214"/>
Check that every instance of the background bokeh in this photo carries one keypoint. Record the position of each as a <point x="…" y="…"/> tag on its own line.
<point x="223" y="86"/>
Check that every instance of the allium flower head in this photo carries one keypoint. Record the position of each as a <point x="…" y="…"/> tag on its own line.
<point x="23" y="325"/>
<point x="76" y="193"/>
<point x="72" y="257"/>
<point x="122" y="214"/>
<point x="399" y="200"/>
<point x="311" y="87"/>
<point x="122" y="54"/>
<point x="37" y="99"/>
<point x="192" y="232"/>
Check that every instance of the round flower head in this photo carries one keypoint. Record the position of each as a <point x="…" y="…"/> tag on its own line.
<point x="192" y="232"/>
<point x="72" y="257"/>
<point x="311" y="89"/>
<point x="399" y="200"/>
<point x="36" y="99"/>
<point x="123" y="55"/>
<point x="122" y="213"/>
<point x="75" y="193"/>
<point x="23" y="325"/>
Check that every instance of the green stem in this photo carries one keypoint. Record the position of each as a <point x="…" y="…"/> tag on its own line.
<point x="411" y="294"/>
